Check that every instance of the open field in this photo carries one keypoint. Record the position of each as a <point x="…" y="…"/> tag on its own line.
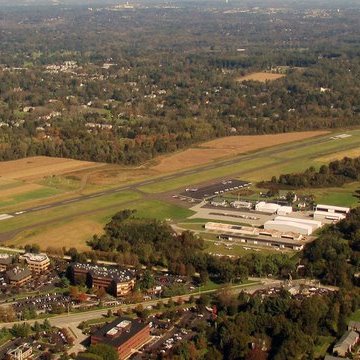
<point x="71" y="210"/>
<point x="217" y="247"/>
<point x="226" y="147"/>
<point x="53" y="236"/>
<point x="37" y="167"/>
<point x="76" y="230"/>
<point x="260" y="76"/>
<point x="340" y="155"/>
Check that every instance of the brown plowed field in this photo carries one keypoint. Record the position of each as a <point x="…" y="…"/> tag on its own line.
<point x="260" y="76"/>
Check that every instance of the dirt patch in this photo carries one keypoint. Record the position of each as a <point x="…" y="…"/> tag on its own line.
<point x="112" y="175"/>
<point x="226" y="147"/>
<point x="37" y="167"/>
<point x="260" y="76"/>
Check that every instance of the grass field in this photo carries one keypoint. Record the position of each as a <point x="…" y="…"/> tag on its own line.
<point x="355" y="316"/>
<point x="340" y="155"/>
<point x="322" y="344"/>
<point x="260" y="76"/>
<point x="74" y="232"/>
<point x="70" y="211"/>
<point x="161" y="210"/>
<point x="237" y="250"/>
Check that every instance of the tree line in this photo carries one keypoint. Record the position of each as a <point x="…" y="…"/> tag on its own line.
<point x="337" y="173"/>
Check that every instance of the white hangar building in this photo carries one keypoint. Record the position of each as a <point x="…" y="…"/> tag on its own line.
<point x="295" y="225"/>
<point x="329" y="212"/>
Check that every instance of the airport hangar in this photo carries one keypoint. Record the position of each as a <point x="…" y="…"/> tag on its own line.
<point x="213" y="190"/>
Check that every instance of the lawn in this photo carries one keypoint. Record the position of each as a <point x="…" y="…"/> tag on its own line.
<point x="161" y="210"/>
<point x="36" y="194"/>
<point x="237" y="249"/>
<point x="355" y="316"/>
<point x="322" y="344"/>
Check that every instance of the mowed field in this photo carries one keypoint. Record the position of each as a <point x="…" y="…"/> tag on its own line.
<point x="227" y="147"/>
<point x="260" y="76"/>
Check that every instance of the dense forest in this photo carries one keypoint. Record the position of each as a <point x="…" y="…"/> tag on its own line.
<point x="337" y="173"/>
<point x="334" y="257"/>
<point x="279" y="327"/>
<point x="123" y="84"/>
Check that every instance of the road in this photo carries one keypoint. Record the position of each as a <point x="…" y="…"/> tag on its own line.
<point x="77" y="318"/>
<point x="191" y="171"/>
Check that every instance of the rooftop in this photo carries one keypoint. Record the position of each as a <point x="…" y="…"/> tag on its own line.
<point x="331" y="207"/>
<point x="348" y="339"/>
<point x="119" y="331"/>
<point x="18" y="273"/>
<point x="116" y="274"/>
<point x="6" y="259"/>
<point x="34" y="257"/>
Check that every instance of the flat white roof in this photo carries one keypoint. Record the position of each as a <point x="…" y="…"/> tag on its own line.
<point x="35" y="257"/>
<point x="314" y="223"/>
<point x="329" y="215"/>
<point x="331" y="207"/>
<point x="289" y="223"/>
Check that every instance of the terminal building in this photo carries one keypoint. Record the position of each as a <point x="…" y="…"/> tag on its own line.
<point x="295" y="225"/>
<point x="115" y="281"/>
<point x="124" y="334"/>
<point x="329" y="212"/>
<point x="38" y="263"/>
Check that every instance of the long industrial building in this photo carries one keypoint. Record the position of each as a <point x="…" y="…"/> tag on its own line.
<point x="251" y="231"/>
<point x="282" y="243"/>
<point x="295" y="225"/>
<point x="329" y="212"/>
